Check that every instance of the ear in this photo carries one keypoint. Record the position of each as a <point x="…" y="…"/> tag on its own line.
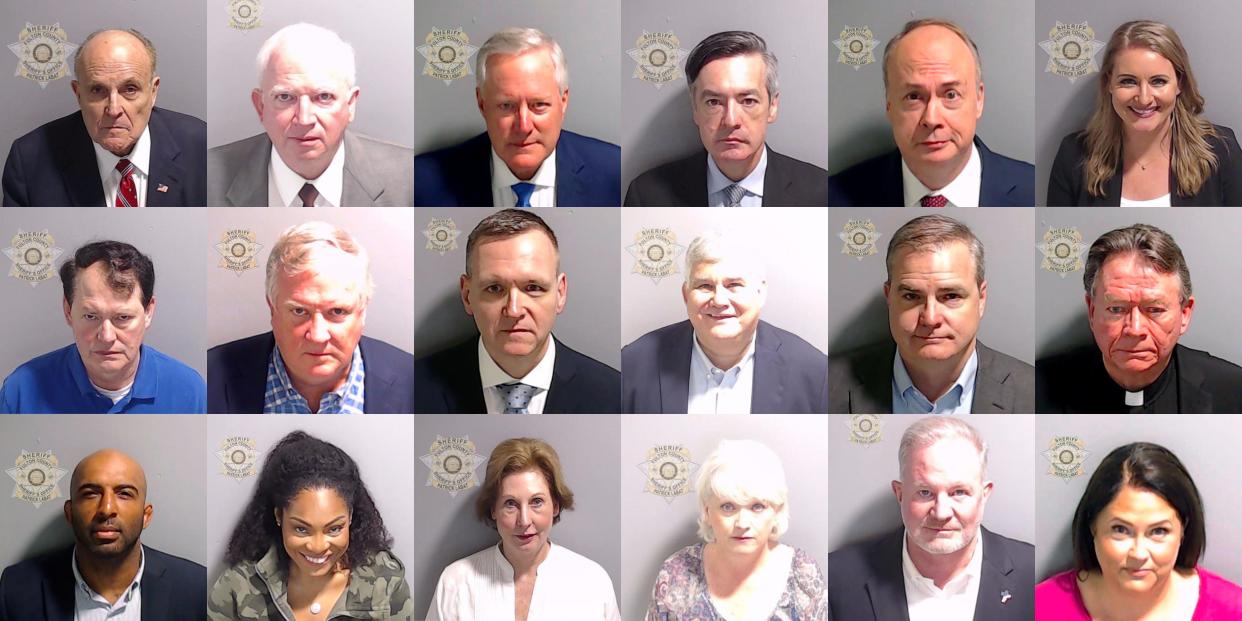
<point x="353" y="101"/>
<point x="478" y="100"/>
<point x="1187" y="311"/>
<point x="68" y="312"/>
<point x="464" y="283"/>
<point x="73" y="84"/>
<point x="983" y="297"/>
<point x="256" y="99"/>
<point x="149" y="311"/>
<point x="986" y="491"/>
<point x="562" y="292"/>
<point x="147" y="511"/>
<point x="897" y="490"/>
<point x="280" y="515"/>
<point x="886" y="287"/>
<point x="565" y="101"/>
<point x="69" y="511"/>
<point x="979" y="103"/>
<point x="685" y="293"/>
<point x="774" y="108"/>
<point x="270" y="308"/>
<point x="155" y="89"/>
<point x="1090" y="307"/>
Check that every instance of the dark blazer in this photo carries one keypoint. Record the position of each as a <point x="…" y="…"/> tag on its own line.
<point x="448" y="382"/>
<point x="861" y="382"/>
<point x="865" y="582"/>
<point x="683" y="183"/>
<point x="1223" y="188"/>
<point x="54" y="165"/>
<point x="237" y="376"/>
<point x="41" y="589"/>
<point x="877" y="182"/>
<point x="1064" y="382"/>
<point x="588" y="174"/>
<point x="790" y="374"/>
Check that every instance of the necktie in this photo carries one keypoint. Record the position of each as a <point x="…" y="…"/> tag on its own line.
<point x="933" y="200"/>
<point x="523" y="191"/>
<point x="734" y="195"/>
<point x="127" y="192"/>
<point x="308" y="194"/>
<point x="517" y="397"/>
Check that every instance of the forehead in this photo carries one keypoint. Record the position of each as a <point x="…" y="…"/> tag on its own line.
<point x="733" y="73"/>
<point x="109" y="468"/>
<point x="1142" y="61"/>
<point x="948" y="459"/>
<point x="91" y="286"/>
<point x="330" y="271"/>
<point x="525" y="483"/>
<point x="324" y="500"/>
<point x="950" y="260"/>
<point x="729" y="266"/>
<point x="530" y="69"/>
<point x="532" y="246"/>
<point x="933" y="51"/>
<point x="1129" y="271"/>
<point x="115" y="52"/>
<point x="1137" y="505"/>
<point x="301" y="67"/>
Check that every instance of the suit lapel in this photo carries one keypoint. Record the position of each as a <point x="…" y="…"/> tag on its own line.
<point x="674" y="370"/>
<point x="249" y="187"/>
<point x="58" y="590"/>
<point x="993" y="190"/>
<point x="156" y="591"/>
<point x="360" y="188"/>
<point x="166" y="171"/>
<point x="563" y="371"/>
<point x="995" y="583"/>
<point x="775" y="182"/>
<point x="887" y="586"/>
<point x="1191" y="395"/>
<point x="79" y="170"/>
<point x="377" y="383"/>
<point x="992" y="396"/>
<point x="874" y="392"/>
<point x="569" y="186"/>
<point x="768" y="391"/>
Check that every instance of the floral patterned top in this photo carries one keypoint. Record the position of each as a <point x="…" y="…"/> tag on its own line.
<point x="680" y="591"/>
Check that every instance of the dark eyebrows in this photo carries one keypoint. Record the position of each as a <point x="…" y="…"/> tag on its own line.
<point x="330" y="523"/>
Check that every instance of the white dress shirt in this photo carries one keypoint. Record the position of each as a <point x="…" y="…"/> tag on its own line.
<point x="955" y="602"/>
<point x="752" y="183"/>
<point x="907" y="399"/>
<point x="568" y="586"/>
<point x="139" y="156"/>
<point x="493" y="376"/>
<point x="1159" y="201"/>
<point x="717" y="391"/>
<point x="91" y="606"/>
<point x="283" y="184"/>
<point x="963" y="191"/>
<point x="544" y="180"/>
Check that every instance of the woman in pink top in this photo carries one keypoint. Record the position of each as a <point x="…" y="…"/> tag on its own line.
<point x="1138" y="535"/>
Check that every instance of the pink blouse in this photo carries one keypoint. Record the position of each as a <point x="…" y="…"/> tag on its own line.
<point x="1058" y="599"/>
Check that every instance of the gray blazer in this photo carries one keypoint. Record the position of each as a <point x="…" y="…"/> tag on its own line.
<point x="377" y="173"/>
<point x="861" y="382"/>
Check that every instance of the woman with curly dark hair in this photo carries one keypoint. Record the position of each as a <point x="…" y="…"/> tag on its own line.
<point x="311" y="545"/>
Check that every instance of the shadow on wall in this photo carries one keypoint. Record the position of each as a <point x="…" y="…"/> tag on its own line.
<point x="55" y="534"/>
<point x="1072" y="116"/>
<point x="444" y="325"/>
<point x="859" y="143"/>
<point x="881" y="515"/>
<point x="1062" y="556"/>
<point x="664" y="137"/>
<point x="1073" y="332"/>
<point x="868" y="326"/>
<point x="668" y="544"/>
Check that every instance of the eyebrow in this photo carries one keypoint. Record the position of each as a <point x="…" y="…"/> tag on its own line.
<point x="711" y="93"/>
<point x="333" y="521"/>
<point x="1131" y="75"/>
<point x="122" y="486"/>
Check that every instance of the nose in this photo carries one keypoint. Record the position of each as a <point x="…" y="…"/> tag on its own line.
<point x="304" y="114"/>
<point x="930" y="315"/>
<point x="523" y="515"/>
<point x="513" y="306"/>
<point x="720" y="296"/>
<point x="113" y="108"/>
<point x="1145" y="95"/>
<point x="1134" y="322"/>
<point x="942" y="510"/>
<point x="525" y="123"/>
<point x="318" y="544"/>
<point x="317" y="329"/>
<point x="107" y="505"/>
<point x="732" y="116"/>
<point x="931" y="113"/>
<point x="107" y="333"/>
<point x="1138" y="551"/>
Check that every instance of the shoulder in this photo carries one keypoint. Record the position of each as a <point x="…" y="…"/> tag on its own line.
<point x="581" y="566"/>
<point x="587" y="366"/>
<point x="795" y="167"/>
<point x="1218" y="369"/>
<point x="806" y="573"/>
<point x="183" y="124"/>
<point x="450" y="360"/>
<point x="468" y="568"/>
<point x="651" y="342"/>
<point x="1073" y="146"/>
<point x="674" y="171"/>
<point x="1225" y="142"/>
<point x="53" y="132"/>
<point x="792" y="345"/>
<point x="887" y="164"/>
<point x="995" y="163"/>
<point x="857" y="362"/>
<point x="241" y="349"/>
<point x="1069" y="362"/>
<point x="1220" y="596"/>
<point x="239" y="588"/>
<point x="850" y="559"/>
<point x="239" y="152"/>
<point x="1057" y="594"/>
<point x="385" y="354"/>
<point x="182" y="569"/>
<point x="473" y="148"/>
<point x="685" y="563"/>
<point x="382" y="567"/>
<point x="592" y="146"/>
<point x="171" y="368"/>
<point x="35" y="569"/>
<point x="1020" y="551"/>
<point x="996" y="361"/>
<point x="37" y="367"/>
<point x="376" y="146"/>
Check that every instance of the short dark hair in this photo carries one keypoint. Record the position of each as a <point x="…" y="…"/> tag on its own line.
<point x="124" y="263"/>
<point x="1149" y="467"/>
<point x="934" y="231"/>
<point x="1155" y="246"/>
<point x="517" y="455"/>
<point x="728" y="44"/>
<point x="506" y="223"/>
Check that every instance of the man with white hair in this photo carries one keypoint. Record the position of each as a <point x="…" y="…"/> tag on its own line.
<point x="723" y="359"/>
<point x="315" y="359"/>
<point x="524" y="159"/>
<point x="941" y="564"/>
<point x="307" y="157"/>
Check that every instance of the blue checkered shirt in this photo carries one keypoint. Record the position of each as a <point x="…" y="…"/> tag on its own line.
<point x="280" y="397"/>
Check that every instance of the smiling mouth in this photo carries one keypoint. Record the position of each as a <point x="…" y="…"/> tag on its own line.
<point x="1144" y="113"/>
<point x="316" y="560"/>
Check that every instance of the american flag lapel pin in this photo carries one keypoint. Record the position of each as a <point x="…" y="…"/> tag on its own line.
<point x="1005" y="597"/>
<point x="161" y="188"/>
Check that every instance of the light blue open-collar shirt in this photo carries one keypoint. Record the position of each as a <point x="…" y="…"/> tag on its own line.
<point x="752" y="183"/>
<point x="908" y="400"/>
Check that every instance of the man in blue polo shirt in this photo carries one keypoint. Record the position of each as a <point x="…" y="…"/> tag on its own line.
<point x="109" y="300"/>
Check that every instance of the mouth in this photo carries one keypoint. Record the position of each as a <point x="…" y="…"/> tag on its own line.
<point x="106" y="534"/>
<point x="935" y="145"/>
<point x="934" y="340"/>
<point x="106" y="353"/>
<point x="316" y="560"/>
<point x="525" y="539"/>
<point x="742" y="539"/>
<point x="523" y="145"/>
<point x="1138" y="573"/>
<point x="1144" y="113"/>
<point x="941" y="532"/>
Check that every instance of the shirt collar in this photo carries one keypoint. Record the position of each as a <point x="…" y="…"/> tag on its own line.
<point x="329" y="184"/>
<point x="706" y="366"/>
<point x="503" y="178"/>
<point x="957" y="584"/>
<point x="81" y="582"/>
<point x="539" y="377"/>
<point x="139" y="156"/>
<point x="964" y="383"/>
<point x="146" y="380"/>
<point x="753" y="183"/>
<point x="286" y="394"/>
<point x="963" y="191"/>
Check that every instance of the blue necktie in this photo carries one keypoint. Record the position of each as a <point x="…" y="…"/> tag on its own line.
<point x="523" y="191"/>
<point x="517" y="397"/>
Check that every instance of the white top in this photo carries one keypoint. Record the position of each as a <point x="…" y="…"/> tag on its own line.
<point x="492" y="375"/>
<point x="717" y="391"/>
<point x="1159" y="201"/>
<point x="752" y="183"/>
<point x="114" y="395"/>
<point x="283" y="184"/>
<point x="927" y="602"/>
<point x="91" y="606"/>
<point x="963" y="191"/>
<point x="568" y="586"/>
<point x="139" y="156"/>
<point x="544" y="180"/>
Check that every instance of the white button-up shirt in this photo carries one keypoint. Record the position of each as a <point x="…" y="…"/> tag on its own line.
<point x="752" y="183"/>
<point x="963" y="191"/>
<point x="956" y="601"/>
<point x="283" y="184"/>
<point x="544" y="180"/>
<point x="493" y="376"/>
<point x="139" y="156"/>
<point x="91" y="606"/>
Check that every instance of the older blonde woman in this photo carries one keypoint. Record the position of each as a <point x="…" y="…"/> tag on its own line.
<point x="741" y="570"/>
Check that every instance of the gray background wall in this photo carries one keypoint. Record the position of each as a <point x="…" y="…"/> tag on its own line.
<point x="652" y="529"/>
<point x="1205" y="236"/>
<point x="174" y="26"/>
<point x="379" y="444"/>
<point x="857" y="126"/>
<point x="157" y="442"/>
<point x="239" y="302"/>
<point x="590" y="459"/>
<point x="587" y="32"/>
<point x="592" y="310"/>
<point x="858" y="315"/>
<point x="1208" y="32"/>
<point x="1198" y="441"/>
<point x="657" y="123"/>
<point x="37" y="322"/>
<point x="379" y="31"/>
<point x="791" y="240"/>
<point x="860" y="477"/>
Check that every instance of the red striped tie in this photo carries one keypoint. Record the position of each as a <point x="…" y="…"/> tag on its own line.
<point x="127" y="192"/>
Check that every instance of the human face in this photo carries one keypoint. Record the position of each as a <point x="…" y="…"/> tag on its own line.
<point x="732" y="110"/>
<point x="116" y="90"/>
<point x="934" y="304"/>
<point x="1144" y="89"/>
<point x="107" y="508"/>
<point x="514" y="294"/>
<point x="943" y="496"/>
<point x="524" y="513"/>
<point x="108" y="327"/>
<point x="523" y="107"/>
<point x="305" y="105"/>
<point x="741" y="525"/>
<point x="317" y="318"/>
<point x="1137" y="538"/>
<point x="314" y="529"/>
<point x="723" y="300"/>
<point x="1136" y="316"/>
<point x="934" y="99"/>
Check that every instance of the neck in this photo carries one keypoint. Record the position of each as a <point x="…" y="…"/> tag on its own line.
<point x="738" y="170"/>
<point x="109" y="576"/>
<point x="940" y="568"/>
<point x="122" y="379"/>
<point x="525" y="563"/>
<point x="311" y="171"/>
<point x="1121" y="603"/>
<point x="734" y="568"/>
<point x="307" y="586"/>
<point x="518" y="367"/>
<point x="725" y="354"/>
<point x="934" y="378"/>
<point x="937" y="176"/>
<point x="1146" y="146"/>
<point x="1132" y="383"/>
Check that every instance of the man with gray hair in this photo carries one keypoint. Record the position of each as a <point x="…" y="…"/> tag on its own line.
<point x="307" y="156"/>
<point x="734" y="95"/>
<point x="524" y="159"/>
<point x="723" y="359"/>
<point x="315" y="359"/>
<point x="942" y="563"/>
<point x="1139" y="303"/>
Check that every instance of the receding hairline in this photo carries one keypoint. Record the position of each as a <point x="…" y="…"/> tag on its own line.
<point x="482" y="240"/>
<point x="145" y="45"/>
<point x="959" y="34"/>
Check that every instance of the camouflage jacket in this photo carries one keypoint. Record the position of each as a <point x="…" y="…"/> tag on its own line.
<point x="251" y="591"/>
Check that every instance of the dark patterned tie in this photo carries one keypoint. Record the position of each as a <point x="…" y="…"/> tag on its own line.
<point x="127" y="192"/>
<point x="734" y="195"/>
<point x="308" y="194"/>
<point x="933" y="200"/>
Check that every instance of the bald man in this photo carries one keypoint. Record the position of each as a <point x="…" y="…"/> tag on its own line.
<point x="107" y="574"/>
<point x="119" y="150"/>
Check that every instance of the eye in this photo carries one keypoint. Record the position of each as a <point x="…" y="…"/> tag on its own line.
<point x="511" y="503"/>
<point x="912" y="96"/>
<point x="923" y="494"/>
<point x="301" y="530"/>
<point x="90" y="316"/>
<point x="952" y="95"/>
<point x="910" y="296"/>
<point x="1159" y="82"/>
<point x="1160" y="531"/>
<point x="712" y="102"/>
<point x="750" y="101"/>
<point x="339" y="312"/>
<point x="1116" y="310"/>
<point x="758" y="506"/>
<point x="1126" y="81"/>
<point x="728" y="507"/>
<point x="1118" y="529"/>
<point x="283" y="97"/>
<point x="541" y="107"/>
<point x="534" y="288"/>
<point x="325" y="97"/>
<point x="493" y="289"/>
<point x="298" y="312"/>
<point x="336" y="530"/>
<point x="506" y="106"/>
<point x="961" y="492"/>
<point x="1155" y="310"/>
<point x="537" y="502"/>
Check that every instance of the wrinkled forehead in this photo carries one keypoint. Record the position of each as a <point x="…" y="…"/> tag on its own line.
<point x="93" y="286"/>
<point x="329" y="269"/>
<point x="112" y="52"/>
<point x="1129" y="275"/>
<point x="950" y="257"/>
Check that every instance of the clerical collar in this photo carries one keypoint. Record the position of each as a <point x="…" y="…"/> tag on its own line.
<point x="1150" y="393"/>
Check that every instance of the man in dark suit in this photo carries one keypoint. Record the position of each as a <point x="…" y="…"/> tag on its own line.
<point x="942" y="564"/>
<point x="723" y="359"/>
<point x="514" y="289"/>
<point x="119" y="149"/>
<point x="108" y="571"/>
<point x="936" y="295"/>
<point x="734" y="95"/>
<point x="933" y="82"/>
<point x="315" y="359"/>
<point x="522" y="90"/>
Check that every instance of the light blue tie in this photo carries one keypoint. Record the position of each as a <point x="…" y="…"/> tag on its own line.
<point x="517" y="397"/>
<point x="523" y="191"/>
<point x="734" y="195"/>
